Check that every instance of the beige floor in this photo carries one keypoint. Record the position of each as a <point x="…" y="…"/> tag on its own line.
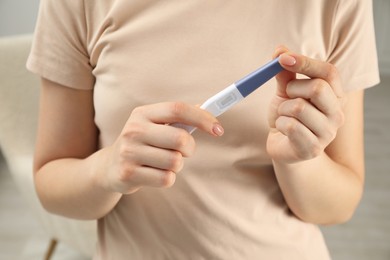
<point x="366" y="236"/>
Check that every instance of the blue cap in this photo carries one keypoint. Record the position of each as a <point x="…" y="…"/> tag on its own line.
<point x="254" y="80"/>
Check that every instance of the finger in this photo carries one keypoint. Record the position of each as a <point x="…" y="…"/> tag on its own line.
<point x="312" y="68"/>
<point x="162" y="159"/>
<point x="177" y="112"/>
<point x="318" y="91"/>
<point x="309" y="116"/>
<point x="302" y="140"/>
<point x="284" y="76"/>
<point x="148" y="176"/>
<point x="279" y="50"/>
<point x="174" y="139"/>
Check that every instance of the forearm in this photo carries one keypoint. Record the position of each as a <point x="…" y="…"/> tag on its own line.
<point x="69" y="187"/>
<point x="320" y="190"/>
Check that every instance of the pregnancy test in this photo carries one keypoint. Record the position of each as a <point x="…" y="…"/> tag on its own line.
<point x="231" y="95"/>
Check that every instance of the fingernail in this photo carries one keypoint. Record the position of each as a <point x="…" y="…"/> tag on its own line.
<point x="218" y="129"/>
<point x="288" y="60"/>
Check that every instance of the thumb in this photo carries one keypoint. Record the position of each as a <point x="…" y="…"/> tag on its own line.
<point x="285" y="76"/>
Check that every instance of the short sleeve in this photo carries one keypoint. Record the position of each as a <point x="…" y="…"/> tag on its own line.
<point x="354" y="48"/>
<point x="59" y="50"/>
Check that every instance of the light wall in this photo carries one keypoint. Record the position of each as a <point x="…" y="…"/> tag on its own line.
<point x="382" y="24"/>
<point x="18" y="16"/>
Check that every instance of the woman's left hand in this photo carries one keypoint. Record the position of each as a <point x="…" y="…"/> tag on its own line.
<point x="305" y="114"/>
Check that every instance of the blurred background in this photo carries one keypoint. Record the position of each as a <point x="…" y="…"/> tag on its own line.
<point x="366" y="236"/>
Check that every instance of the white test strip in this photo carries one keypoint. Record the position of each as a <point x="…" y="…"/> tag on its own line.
<point x="231" y="95"/>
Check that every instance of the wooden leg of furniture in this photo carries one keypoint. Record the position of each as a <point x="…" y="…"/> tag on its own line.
<point x="50" y="249"/>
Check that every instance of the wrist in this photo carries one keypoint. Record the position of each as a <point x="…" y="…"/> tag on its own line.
<point x="99" y="169"/>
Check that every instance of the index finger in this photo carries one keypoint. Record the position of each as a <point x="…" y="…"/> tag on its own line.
<point x="178" y="112"/>
<point x="312" y="68"/>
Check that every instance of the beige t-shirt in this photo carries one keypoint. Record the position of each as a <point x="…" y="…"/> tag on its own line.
<point x="226" y="203"/>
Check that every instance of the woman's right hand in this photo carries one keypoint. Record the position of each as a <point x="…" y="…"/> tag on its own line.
<point x="75" y="179"/>
<point x="150" y="152"/>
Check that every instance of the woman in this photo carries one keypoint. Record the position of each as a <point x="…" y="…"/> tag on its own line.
<point x="116" y="74"/>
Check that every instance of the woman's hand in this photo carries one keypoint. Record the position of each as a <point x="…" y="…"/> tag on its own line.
<point x="319" y="165"/>
<point x="305" y="114"/>
<point x="74" y="178"/>
<point x="150" y="152"/>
